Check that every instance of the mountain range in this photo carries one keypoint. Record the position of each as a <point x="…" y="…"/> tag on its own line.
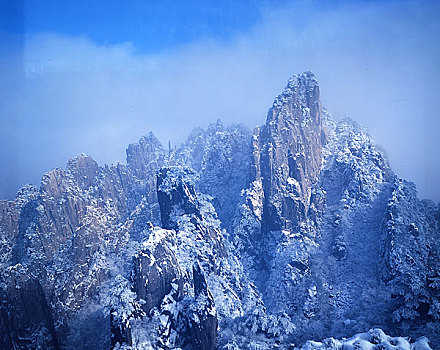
<point x="295" y="235"/>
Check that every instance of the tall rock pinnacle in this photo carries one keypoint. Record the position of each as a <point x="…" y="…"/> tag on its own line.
<point x="290" y="153"/>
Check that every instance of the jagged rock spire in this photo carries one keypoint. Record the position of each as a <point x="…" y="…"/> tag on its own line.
<point x="175" y="189"/>
<point x="146" y="156"/>
<point x="289" y="146"/>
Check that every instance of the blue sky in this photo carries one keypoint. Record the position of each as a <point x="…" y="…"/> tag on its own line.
<point x="151" y="25"/>
<point x="93" y="76"/>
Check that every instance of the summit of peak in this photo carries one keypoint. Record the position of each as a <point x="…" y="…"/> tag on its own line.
<point x="300" y="89"/>
<point x="150" y="139"/>
<point x="306" y="79"/>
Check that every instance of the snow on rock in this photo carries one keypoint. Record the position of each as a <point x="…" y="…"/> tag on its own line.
<point x="373" y="339"/>
<point x="298" y="230"/>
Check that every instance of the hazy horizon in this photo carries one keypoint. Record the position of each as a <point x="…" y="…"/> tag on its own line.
<point x="71" y="86"/>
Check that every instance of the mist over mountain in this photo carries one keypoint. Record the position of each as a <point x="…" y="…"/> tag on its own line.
<point x="297" y="234"/>
<point x="83" y="77"/>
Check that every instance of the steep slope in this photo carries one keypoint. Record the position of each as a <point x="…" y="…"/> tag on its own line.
<point x="321" y="259"/>
<point x="286" y="160"/>
<point x="411" y="259"/>
<point x="222" y="157"/>
<point x="349" y="295"/>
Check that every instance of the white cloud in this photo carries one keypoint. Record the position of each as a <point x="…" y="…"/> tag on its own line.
<point x="377" y="63"/>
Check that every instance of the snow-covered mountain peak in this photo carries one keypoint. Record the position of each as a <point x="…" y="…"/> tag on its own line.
<point x="232" y="240"/>
<point x="298" y="89"/>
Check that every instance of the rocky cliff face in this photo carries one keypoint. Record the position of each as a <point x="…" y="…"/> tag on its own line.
<point x="290" y="145"/>
<point x="222" y="158"/>
<point x="284" y="199"/>
<point x="411" y="259"/>
<point x="233" y="240"/>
